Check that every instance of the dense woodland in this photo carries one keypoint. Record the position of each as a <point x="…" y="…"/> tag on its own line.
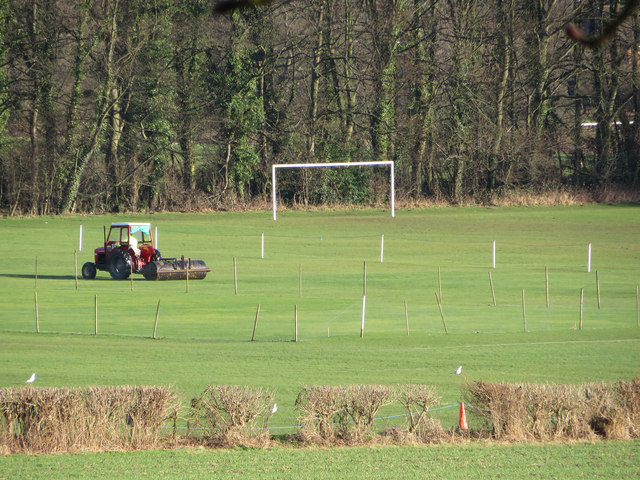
<point x="115" y="105"/>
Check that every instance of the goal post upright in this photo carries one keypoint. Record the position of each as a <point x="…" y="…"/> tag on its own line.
<point x="388" y="163"/>
<point x="273" y="189"/>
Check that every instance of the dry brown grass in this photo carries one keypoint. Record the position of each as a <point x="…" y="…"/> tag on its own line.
<point x="43" y="420"/>
<point x="502" y="408"/>
<point x="627" y="396"/>
<point x="344" y="415"/>
<point x="557" y="411"/>
<point x="554" y="196"/>
<point x="46" y="420"/>
<point x="340" y="414"/>
<point x="547" y="412"/>
<point x="233" y="415"/>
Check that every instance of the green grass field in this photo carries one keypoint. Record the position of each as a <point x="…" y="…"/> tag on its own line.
<point x="204" y="334"/>
<point x="606" y="460"/>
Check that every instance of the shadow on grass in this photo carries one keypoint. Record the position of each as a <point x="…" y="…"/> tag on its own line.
<point x="50" y="277"/>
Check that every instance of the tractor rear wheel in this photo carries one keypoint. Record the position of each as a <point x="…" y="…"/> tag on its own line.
<point x="120" y="265"/>
<point x="89" y="271"/>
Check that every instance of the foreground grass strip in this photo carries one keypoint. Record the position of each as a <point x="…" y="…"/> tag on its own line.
<point x="604" y="460"/>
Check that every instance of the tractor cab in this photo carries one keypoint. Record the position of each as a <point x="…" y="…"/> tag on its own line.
<point x="128" y="248"/>
<point x="121" y="232"/>
<point x="135" y="238"/>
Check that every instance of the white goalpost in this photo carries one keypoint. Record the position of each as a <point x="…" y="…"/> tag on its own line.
<point x="275" y="167"/>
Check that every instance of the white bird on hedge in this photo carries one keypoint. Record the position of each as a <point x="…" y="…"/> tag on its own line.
<point x="32" y="379"/>
<point x="275" y="408"/>
<point x="458" y="371"/>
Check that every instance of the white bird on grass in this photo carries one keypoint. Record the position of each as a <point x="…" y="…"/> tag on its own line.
<point x="458" y="371"/>
<point x="32" y="379"/>
<point x="275" y="408"/>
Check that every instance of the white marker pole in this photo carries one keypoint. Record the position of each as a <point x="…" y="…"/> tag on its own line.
<point x="80" y="245"/>
<point x="589" y="260"/>
<point x="382" y="250"/>
<point x="262" y="248"/>
<point x="156" y="237"/>
<point x="494" y="254"/>
<point x="364" y="300"/>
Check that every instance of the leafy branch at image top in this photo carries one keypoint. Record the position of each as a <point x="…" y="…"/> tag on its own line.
<point x="608" y="32"/>
<point x="574" y="32"/>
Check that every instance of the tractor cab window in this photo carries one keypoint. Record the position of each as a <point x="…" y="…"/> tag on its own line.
<point x="118" y="235"/>
<point x="142" y="233"/>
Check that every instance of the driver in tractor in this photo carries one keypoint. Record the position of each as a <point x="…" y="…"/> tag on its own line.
<point x="133" y="244"/>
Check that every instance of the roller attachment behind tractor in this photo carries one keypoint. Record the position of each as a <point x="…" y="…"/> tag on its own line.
<point x="175" y="269"/>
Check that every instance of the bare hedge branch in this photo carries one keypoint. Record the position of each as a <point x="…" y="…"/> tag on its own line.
<point x="417" y="401"/>
<point x="361" y="404"/>
<point x="319" y="406"/>
<point x="234" y="415"/>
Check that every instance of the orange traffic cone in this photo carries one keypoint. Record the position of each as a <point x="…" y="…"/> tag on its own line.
<point x="463" y="419"/>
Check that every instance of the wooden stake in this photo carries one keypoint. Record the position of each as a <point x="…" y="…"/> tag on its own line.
<point x="493" y="294"/>
<point x="598" y="289"/>
<point x="364" y="279"/>
<point x="439" y="285"/>
<point x="36" y="274"/>
<point x="328" y="332"/>
<point x="295" y="311"/>
<point x="364" y="301"/>
<point x="255" y="324"/>
<point x="235" y="276"/>
<point x="581" y="303"/>
<point x="406" y="317"/>
<point x="35" y="294"/>
<point x="524" y="313"/>
<point x="95" y="308"/>
<point x="155" y="325"/>
<point x="442" y="314"/>
<point x="546" y="283"/>
<point x="75" y="257"/>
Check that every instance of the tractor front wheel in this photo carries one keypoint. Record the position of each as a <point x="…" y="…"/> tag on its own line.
<point x="120" y="265"/>
<point x="89" y="271"/>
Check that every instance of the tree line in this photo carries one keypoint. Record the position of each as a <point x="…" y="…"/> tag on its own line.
<point x="114" y="105"/>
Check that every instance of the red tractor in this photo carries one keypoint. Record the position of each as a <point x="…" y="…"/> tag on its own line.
<point x="129" y="249"/>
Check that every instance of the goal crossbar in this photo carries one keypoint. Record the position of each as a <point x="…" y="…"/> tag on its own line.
<point x="389" y="163"/>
